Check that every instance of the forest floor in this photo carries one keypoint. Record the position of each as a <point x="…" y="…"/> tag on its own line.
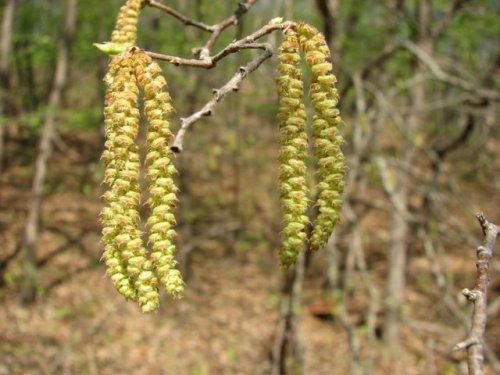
<point x="226" y="323"/>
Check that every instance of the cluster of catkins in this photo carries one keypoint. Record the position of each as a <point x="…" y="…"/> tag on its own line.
<point x="136" y="272"/>
<point x="294" y="141"/>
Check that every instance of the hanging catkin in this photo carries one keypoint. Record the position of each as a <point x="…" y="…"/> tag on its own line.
<point x="125" y="31"/>
<point x="327" y="139"/>
<point x="160" y="172"/>
<point x="293" y="151"/>
<point x="124" y="252"/>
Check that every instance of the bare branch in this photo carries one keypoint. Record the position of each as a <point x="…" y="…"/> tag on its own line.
<point x="443" y="76"/>
<point x="464" y="135"/>
<point x="204" y="52"/>
<point x="218" y="94"/>
<point x="211" y="61"/>
<point x="220" y="27"/>
<point x="328" y="11"/>
<point x="478" y="296"/>
<point x="187" y="21"/>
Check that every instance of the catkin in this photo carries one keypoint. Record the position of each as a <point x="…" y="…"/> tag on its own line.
<point x="325" y="129"/>
<point x="293" y="149"/>
<point x="125" y="31"/>
<point x="124" y="252"/>
<point x="160" y="172"/>
<point x="130" y="266"/>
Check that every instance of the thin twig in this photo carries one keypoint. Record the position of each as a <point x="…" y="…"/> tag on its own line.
<point x="448" y="300"/>
<point x="445" y="77"/>
<point x="204" y="52"/>
<point x="187" y="21"/>
<point x="218" y="94"/>
<point x="243" y="7"/>
<point x="478" y="296"/>
<point x="209" y="62"/>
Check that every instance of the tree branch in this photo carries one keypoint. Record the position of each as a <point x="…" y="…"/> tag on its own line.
<point x="204" y="60"/>
<point x="329" y="18"/>
<point x="464" y="135"/>
<point x="243" y="7"/>
<point x="187" y="21"/>
<point x="443" y="76"/>
<point x="218" y="94"/>
<point x="204" y="52"/>
<point x="211" y="61"/>
<point x="478" y="296"/>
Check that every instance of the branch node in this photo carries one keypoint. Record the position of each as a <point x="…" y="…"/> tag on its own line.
<point x="196" y="51"/>
<point x="481" y="249"/>
<point x="471" y="295"/>
<point x="466" y="343"/>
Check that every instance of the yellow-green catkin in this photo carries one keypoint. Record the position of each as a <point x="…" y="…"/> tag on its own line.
<point x="293" y="149"/>
<point x="124" y="252"/>
<point x="125" y="31"/>
<point x="327" y="138"/>
<point x="160" y="172"/>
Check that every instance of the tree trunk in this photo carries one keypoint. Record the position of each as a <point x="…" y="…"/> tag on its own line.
<point x="329" y="9"/>
<point x="5" y="45"/>
<point x="28" y="292"/>
<point x="396" y="279"/>
<point x="287" y="353"/>
<point x="400" y="229"/>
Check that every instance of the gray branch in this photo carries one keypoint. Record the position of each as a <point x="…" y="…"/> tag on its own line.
<point x="218" y="94"/>
<point x="210" y="62"/>
<point x="445" y="77"/>
<point x="478" y="296"/>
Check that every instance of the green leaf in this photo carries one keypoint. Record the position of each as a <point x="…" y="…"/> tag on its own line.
<point x="110" y="48"/>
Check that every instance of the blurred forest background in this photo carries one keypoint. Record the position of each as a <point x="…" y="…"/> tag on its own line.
<point x="419" y="88"/>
